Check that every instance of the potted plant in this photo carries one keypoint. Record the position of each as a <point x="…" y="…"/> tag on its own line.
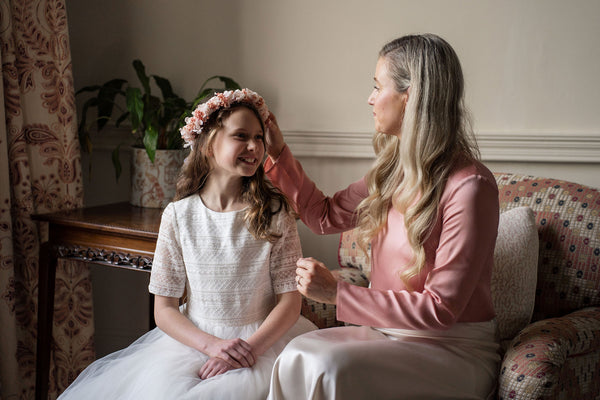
<point x="154" y="122"/>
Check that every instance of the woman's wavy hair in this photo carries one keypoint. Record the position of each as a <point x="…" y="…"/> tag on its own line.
<point x="264" y="200"/>
<point x="410" y="171"/>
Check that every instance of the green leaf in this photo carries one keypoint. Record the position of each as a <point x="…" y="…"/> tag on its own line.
<point x="175" y="141"/>
<point x="202" y="96"/>
<point x="92" y="88"/>
<point x="82" y="129"/>
<point x="92" y="102"/>
<point x="135" y="106"/>
<point x="140" y="70"/>
<point x="117" y="162"/>
<point x="230" y="84"/>
<point x="85" y="142"/>
<point x="165" y="87"/>
<point x="122" y="118"/>
<point x="106" y="100"/>
<point x="152" y="106"/>
<point x="150" y="141"/>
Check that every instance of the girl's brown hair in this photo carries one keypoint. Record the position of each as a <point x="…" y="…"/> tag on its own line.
<point x="263" y="199"/>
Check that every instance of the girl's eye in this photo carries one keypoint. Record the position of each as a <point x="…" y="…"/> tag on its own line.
<point x="376" y="88"/>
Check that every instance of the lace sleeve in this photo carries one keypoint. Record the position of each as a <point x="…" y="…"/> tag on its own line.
<point x="168" y="275"/>
<point x="284" y="254"/>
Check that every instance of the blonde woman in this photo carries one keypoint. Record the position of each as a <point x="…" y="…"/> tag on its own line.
<point x="429" y="209"/>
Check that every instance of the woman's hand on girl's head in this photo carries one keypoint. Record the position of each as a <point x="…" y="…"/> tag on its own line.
<point x="273" y="138"/>
<point x="315" y="281"/>
<point x="235" y="352"/>
<point x="213" y="367"/>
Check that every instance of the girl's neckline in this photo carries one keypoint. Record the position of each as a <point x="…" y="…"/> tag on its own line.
<point x="218" y="211"/>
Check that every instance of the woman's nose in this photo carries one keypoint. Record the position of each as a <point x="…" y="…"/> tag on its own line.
<point x="371" y="99"/>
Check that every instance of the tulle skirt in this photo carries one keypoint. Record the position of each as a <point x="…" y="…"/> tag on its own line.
<point x="364" y="363"/>
<point x="157" y="366"/>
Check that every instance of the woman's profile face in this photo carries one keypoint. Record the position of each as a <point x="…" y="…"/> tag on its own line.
<point x="388" y="104"/>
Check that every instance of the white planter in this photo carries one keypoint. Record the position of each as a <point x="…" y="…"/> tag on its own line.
<point x="153" y="184"/>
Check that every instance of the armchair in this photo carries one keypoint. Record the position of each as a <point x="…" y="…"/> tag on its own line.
<point x="552" y="350"/>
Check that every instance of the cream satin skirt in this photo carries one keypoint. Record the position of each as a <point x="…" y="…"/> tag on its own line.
<point x="358" y="362"/>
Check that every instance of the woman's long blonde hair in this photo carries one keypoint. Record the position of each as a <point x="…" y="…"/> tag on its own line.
<point x="410" y="171"/>
<point x="263" y="199"/>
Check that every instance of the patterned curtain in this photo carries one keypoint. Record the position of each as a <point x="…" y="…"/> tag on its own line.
<point x="40" y="171"/>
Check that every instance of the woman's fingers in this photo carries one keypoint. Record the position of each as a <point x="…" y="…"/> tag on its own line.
<point x="315" y="281"/>
<point x="273" y="137"/>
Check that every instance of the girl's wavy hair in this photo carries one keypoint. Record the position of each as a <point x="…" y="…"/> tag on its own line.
<point x="410" y="171"/>
<point x="264" y="200"/>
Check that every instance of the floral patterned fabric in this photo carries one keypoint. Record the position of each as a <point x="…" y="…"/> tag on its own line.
<point x="40" y="172"/>
<point x="557" y="357"/>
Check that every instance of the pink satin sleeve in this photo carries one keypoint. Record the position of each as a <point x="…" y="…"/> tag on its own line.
<point x="454" y="286"/>
<point x="322" y="214"/>
<point x="457" y="286"/>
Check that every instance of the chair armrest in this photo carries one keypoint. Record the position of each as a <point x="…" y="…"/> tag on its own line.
<point x="324" y="315"/>
<point x="533" y="362"/>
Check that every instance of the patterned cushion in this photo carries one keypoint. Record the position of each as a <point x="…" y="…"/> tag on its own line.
<point x="568" y="222"/>
<point x="351" y="256"/>
<point x="320" y="314"/>
<point x="515" y="271"/>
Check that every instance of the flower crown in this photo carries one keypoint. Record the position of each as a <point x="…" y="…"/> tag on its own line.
<point x="194" y="124"/>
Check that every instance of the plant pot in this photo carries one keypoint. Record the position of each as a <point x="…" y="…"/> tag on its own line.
<point x="153" y="184"/>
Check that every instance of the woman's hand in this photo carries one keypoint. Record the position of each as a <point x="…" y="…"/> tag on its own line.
<point x="273" y="138"/>
<point x="235" y="352"/>
<point x="315" y="281"/>
<point x="213" y="367"/>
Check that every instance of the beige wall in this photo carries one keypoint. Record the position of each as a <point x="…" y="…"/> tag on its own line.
<point x="530" y="69"/>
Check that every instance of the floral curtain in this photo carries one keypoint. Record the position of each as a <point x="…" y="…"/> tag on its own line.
<point x="40" y="171"/>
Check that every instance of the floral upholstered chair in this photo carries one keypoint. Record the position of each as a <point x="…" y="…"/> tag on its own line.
<point x="545" y="287"/>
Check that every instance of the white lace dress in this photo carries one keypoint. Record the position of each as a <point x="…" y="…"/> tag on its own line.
<point x="231" y="281"/>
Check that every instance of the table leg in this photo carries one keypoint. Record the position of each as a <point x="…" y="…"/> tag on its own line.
<point x="46" y="285"/>
<point x="151" y="322"/>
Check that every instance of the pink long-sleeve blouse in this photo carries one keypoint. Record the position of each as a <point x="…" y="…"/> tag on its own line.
<point x="453" y="287"/>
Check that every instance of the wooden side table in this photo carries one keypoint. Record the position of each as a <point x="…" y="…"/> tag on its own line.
<point x="115" y="235"/>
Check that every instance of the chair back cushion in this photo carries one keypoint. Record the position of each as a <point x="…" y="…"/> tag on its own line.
<point x="515" y="271"/>
<point x="568" y="223"/>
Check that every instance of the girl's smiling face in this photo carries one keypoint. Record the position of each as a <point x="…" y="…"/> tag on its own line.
<point x="238" y="148"/>
<point x="388" y="104"/>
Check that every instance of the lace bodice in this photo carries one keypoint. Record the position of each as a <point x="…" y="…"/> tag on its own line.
<point x="231" y="277"/>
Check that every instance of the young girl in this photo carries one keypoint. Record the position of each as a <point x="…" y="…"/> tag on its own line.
<point x="229" y="242"/>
